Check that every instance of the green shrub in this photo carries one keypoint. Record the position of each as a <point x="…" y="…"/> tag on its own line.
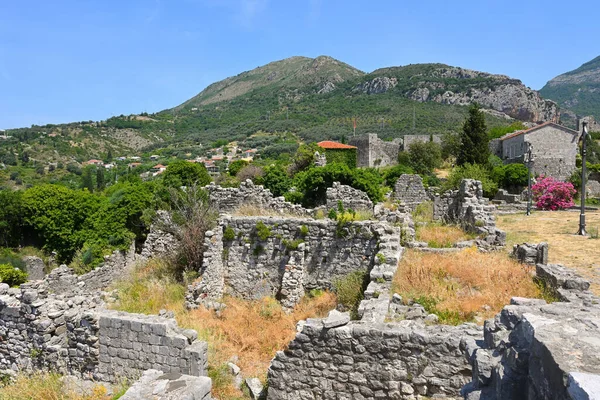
<point x="11" y="275"/>
<point x="349" y="290"/>
<point x="229" y="233"/>
<point x="262" y="231"/>
<point x="472" y="171"/>
<point x="510" y="175"/>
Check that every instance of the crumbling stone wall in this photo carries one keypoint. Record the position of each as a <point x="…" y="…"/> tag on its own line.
<point x="468" y="208"/>
<point x="228" y="200"/>
<point x="64" y="280"/>
<point x="536" y="350"/>
<point x="75" y="335"/>
<point x="251" y="267"/>
<point x="374" y="357"/>
<point x="410" y="191"/>
<point x="374" y="152"/>
<point x="349" y="197"/>
<point x="366" y="361"/>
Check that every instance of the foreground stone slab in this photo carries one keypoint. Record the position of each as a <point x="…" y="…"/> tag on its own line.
<point x="157" y="385"/>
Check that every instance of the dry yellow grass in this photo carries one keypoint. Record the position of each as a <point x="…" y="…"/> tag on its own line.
<point x="463" y="285"/>
<point x="251" y="330"/>
<point x="48" y="386"/>
<point x="441" y="235"/>
<point x="558" y="228"/>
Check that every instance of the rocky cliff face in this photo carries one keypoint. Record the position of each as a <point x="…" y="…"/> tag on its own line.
<point x="458" y="86"/>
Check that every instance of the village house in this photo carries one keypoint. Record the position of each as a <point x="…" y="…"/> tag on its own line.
<point x="339" y="152"/>
<point x="154" y="157"/>
<point x="554" y="149"/>
<point x="94" y="162"/>
<point x="133" y="165"/>
<point x="249" y="154"/>
<point x="158" y="169"/>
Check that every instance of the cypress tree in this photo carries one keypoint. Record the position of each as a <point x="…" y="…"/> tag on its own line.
<point x="100" y="183"/>
<point x="474" y="139"/>
<point x="87" y="180"/>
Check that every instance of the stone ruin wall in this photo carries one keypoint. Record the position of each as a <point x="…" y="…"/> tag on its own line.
<point x="468" y="208"/>
<point x="373" y="357"/>
<point x="229" y="200"/>
<point x="314" y="251"/>
<point x="350" y="198"/>
<point x="409" y="190"/>
<point x="74" y="334"/>
<point x="536" y="350"/>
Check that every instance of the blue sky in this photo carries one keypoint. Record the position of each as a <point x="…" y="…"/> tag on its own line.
<point x="73" y="60"/>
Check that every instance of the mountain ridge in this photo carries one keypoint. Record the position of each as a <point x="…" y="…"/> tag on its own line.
<point x="577" y="91"/>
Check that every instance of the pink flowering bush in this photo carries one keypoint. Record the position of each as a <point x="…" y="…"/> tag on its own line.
<point x="551" y="194"/>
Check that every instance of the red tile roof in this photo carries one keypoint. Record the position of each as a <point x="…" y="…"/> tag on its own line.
<point x="159" y="166"/>
<point x="328" y="144"/>
<point x="512" y="135"/>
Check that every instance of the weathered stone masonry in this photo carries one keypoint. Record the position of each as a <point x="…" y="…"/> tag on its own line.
<point x="250" y="267"/>
<point x="75" y="335"/>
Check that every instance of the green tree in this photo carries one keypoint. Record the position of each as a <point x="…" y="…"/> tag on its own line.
<point x="109" y="155"/>
<point x="425" y="157"/>
<point x="11" y="214"/>
<point x="276" y="180"/>
<point x="236" y="166"/>
<point x="87" y="182"/>
<point x="474" y="139"/>
<point x="100" y="182"/>
<point x="185" y="173"/>
<point x="57" y="214"/>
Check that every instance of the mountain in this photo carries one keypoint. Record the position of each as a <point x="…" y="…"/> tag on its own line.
<point x="294" y="76"/>
<point x="274" y="106"/>
<point x="577" y="92"/>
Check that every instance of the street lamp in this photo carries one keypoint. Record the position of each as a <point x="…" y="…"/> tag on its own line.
<point x="584" y="135"/>
<point x="529" y="163"/>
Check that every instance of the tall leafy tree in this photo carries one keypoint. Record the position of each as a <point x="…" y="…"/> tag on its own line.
<point x="474" y="139"/>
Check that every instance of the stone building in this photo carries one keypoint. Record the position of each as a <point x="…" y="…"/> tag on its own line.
<point x="374" y="152"/>
<point x="554" y="149"/>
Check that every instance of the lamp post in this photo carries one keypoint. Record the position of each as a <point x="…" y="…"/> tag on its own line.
<point x="529" y="162"/>
<point x="584" y="135"/>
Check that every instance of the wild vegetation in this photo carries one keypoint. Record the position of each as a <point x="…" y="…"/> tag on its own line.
<point x="464" y="286"/>
<point x="248" y="332"/>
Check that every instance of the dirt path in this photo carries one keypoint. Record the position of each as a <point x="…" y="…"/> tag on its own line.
<point x="558" y="228"/>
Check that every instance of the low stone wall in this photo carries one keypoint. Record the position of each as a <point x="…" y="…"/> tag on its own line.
<point x="132" y="343"/>
<point x="350" y="198"/>
<point x="365" y="361"/>
<point x="63" y="280"/>
<point x="228" y="200"/>
<point x="468" y="208"/>
<point x="509" y="198"/>
<point x="537" y="350"/>
<point x="241" y="263"/>
<point x="75" y="335"/>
